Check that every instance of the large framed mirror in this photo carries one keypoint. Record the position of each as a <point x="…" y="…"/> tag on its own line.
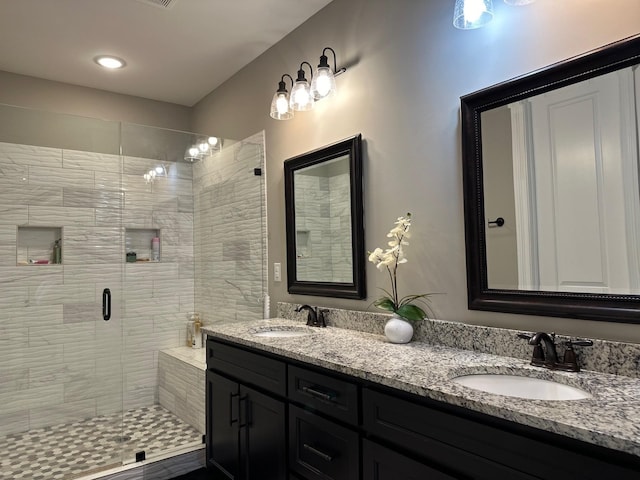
<point x="324" y="221"/>
<point x="551" y="189"/>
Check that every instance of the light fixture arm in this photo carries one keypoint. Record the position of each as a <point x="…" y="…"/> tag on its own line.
<point x="301" y="77"/>
<point x="282" y="86"/>
<point x="324" y="62"/>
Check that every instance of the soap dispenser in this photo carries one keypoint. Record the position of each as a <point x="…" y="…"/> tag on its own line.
<point x="197" y="333"/>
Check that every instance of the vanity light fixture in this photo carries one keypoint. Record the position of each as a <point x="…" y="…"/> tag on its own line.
<point x="158" y="171"/>
<point x="280" y="108"/>
<point x="202" y="148"/>
<point x="304" y="95"/>
<point x="469" y="14"/>
<point x="301" y="98"/>
<point x="323" y="84"/>
<point x="109" y="61"/>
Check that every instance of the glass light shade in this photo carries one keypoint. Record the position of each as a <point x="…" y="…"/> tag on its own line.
<point x="301" y="97"/>
<point x="518" y="2"/>
<point x="323" y="84"/>
<point x="468" y="14"/>
<point x="213" y="141"/>
<point x="280" y="107"/>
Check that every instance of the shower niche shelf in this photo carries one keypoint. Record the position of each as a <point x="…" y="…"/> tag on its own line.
<point x="140" y="241"/>
<point x="38" y="246"/>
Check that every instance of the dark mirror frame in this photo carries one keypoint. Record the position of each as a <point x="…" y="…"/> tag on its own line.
<point x="603" y="307"/>
<point x="352" y="147"/>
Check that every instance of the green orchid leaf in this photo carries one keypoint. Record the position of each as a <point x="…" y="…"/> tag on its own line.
<point x="385" y="303"/>
<point x="411" y="312"/>
<point x="411" y="298"/>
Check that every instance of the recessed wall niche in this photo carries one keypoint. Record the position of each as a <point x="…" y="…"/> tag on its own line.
<point x="142" y="245"/>
<point x="39" y="245"/>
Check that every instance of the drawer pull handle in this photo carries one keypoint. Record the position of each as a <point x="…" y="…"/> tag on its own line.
<point x="318" y="394"/>
<point x="317" y="452"/>
<point x="233" y="420"/>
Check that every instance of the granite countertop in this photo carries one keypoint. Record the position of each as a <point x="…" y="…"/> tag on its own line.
<point x="610" y="418"/>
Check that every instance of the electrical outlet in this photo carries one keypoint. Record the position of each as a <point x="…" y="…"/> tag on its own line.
<point x="277" y="272"/>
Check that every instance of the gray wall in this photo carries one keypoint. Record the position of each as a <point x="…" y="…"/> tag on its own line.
<point x="24" y="91"/>
<point x="499" y="198"/>
<point x="407" y="69"/>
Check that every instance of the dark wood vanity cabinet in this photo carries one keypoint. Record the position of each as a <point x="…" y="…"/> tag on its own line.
<point x="246" y="428"/>
<point x="273" y="418"/>
<point x="470" y="445"/>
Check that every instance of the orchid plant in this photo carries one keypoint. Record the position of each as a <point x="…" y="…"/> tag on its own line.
<point x="390" y="259"/>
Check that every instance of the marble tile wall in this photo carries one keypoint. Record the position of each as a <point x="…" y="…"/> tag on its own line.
<point x="604" y="356"/>
<point x="60" y="360"/>
<point x="323" y="218"/>
<point x="230" y="232"/>
<point x="181" y="384"/>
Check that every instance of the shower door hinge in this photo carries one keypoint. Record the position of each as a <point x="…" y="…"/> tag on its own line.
<point x="257" y="172"/>
<point x="140" y="456"/>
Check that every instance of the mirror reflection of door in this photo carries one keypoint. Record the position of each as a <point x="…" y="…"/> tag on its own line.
<point x="575" y="225"/>
<point x="323" y="222"/>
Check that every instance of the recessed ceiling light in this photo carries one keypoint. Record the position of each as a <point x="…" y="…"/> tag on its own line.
<point x="109" y="61"/>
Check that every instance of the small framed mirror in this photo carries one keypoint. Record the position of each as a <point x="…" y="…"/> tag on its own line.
<point x="324" y="221"/>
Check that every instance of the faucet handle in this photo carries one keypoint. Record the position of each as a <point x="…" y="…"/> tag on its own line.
<point x="578" y="343"/>
<point x="538" y="354"/>
<point x="570" y="360"/>
<point x="322" y="320"/>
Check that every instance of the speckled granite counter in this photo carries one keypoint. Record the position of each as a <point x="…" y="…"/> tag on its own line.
<point x="610" y="418"/>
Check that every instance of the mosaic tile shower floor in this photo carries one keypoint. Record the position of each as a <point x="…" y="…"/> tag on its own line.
<point x="72" y="450"/>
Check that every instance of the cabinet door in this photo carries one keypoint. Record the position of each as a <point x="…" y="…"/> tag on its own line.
<point x="262" y="438"/>
<point x="223" y="441"/>
<point x="380" y="463"/>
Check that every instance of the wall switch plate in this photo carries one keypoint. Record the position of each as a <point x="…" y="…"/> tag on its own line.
<point x="277" y="272"/>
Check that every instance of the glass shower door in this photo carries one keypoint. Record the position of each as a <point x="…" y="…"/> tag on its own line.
<point x="60" y="250"/>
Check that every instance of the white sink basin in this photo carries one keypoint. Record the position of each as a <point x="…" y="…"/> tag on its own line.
<point x="282" y="331"/>
<point x="522" y="387"/>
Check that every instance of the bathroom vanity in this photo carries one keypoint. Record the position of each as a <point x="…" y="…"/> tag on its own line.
<point x="332" y="403"/>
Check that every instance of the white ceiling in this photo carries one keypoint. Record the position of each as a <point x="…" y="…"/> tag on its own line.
<point x="177" y="54"/>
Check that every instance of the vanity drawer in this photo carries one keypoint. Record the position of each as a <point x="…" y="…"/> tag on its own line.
<point x="251" y="368"/>
<point x="324" y="393"/>
<point x="320" y="449"/>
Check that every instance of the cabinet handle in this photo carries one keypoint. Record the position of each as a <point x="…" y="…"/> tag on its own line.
<point x="318" y="394"/>
<point x="231" y="403"/>
<point x="246" y="410"/>
<point x="315" y="451"/>
<point x="106" y="304"/>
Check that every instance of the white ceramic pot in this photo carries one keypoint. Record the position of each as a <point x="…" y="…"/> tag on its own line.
<point x="398" y="330"/>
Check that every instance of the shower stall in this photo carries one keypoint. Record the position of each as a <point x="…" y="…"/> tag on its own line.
<point x="110" y="234"/>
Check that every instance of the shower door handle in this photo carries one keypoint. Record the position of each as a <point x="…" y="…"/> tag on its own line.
<point x="106" y="304"/>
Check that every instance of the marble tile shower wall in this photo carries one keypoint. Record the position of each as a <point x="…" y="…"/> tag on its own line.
<point x="323" y="225"/>
<point x="59" y="361"/>
<point x="230" y="231"/>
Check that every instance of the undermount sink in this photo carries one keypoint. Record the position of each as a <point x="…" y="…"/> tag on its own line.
<point x="282" y="331"/>
<point x="519" y="386"/>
